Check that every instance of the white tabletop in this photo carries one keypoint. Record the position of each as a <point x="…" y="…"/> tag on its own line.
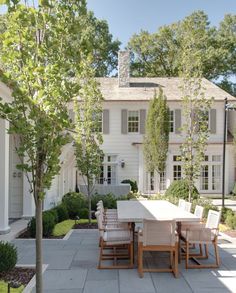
<point x="137" y="210"/>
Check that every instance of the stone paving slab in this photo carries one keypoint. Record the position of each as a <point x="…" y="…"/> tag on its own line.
<point x="72" y="269"/>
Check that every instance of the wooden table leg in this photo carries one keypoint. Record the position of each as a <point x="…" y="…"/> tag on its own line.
<point x="179" y="244"/>
<point x="133" y="230"/>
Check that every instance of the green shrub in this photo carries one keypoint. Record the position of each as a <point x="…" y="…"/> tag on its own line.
<point x="83" y="213"/>
<point x="109" y="201"/>
<point x="62" y="213"/>
<point x="208" y="207"/>
<point x="132" y="183"/>
<point x="53" y="212"/>
<point x="224" y="213"/>
<point x="231" y="220"/>
<point x="180" y="189"/>
<point x="48" y="224"/>
<point x="8" y="256"/>
<point x="74" y="202"/>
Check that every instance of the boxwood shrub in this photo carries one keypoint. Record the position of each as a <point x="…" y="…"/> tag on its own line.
<point x="62" y="212"/>
<point x="179" y="189"/>
<point x="8" y="256"/>
<point x="74" y="202"/>
<point x="48" y="224"/>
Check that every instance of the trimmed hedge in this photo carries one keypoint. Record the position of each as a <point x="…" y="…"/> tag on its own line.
<point x="48" y="224"/>
<point x="62" y="213"/>
<point x="74" y="202"/>
<point x="180" y="189"/>
<point x="132" y="183"/>
<point x="8" y="256"/>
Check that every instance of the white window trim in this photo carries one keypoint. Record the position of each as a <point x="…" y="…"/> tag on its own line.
<point x="128" y="121"/>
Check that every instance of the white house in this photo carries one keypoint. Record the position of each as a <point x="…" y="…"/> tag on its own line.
<point x="125" y="108"/>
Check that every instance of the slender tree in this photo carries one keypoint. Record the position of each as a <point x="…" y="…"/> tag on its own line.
<point x="195" y="106"/>
<point x="88" y="124"/>
<point x="38" y="62"/>
<point x="157" y="134"/>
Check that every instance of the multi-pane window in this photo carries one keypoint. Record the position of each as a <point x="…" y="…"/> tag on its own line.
<point x="133" y="121"/>
<point x="171" y="121"/>
<point x="177" y="172"/>
<point x="97" y="122"/>
<point x="100" y="123"/>
<point x="216" y="177"/>
<point x="210" y="179"/>
<point x="204" y="179"/>
<point x="204" y="120"/>
<point x="108" y="173"/>
<point x="163" y="180"/>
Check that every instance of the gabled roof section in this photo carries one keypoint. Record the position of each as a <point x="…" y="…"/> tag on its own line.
<point x="142" y="89"/>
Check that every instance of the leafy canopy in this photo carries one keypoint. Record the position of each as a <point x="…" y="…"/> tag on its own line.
<point x="159" y="54"/>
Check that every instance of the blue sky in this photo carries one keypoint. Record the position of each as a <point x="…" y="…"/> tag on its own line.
<point x="126" y="17"/>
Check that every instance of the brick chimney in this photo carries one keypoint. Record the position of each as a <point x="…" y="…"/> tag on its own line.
<point x="123" y="68"/>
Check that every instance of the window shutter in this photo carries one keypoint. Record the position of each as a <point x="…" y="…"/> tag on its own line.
<point x="177" y="120"/>
<point x="105" y="122"/>
<point x="213" y="121"/>
<point x="142" y="121"/>
<point x="124" y="121"/>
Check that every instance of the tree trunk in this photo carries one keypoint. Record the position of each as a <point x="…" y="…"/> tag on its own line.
<point x="39" y="256"/>
<point x="89" y="204"/>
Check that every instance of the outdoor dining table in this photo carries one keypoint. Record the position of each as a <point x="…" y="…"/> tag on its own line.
<point x="133" y="211"/>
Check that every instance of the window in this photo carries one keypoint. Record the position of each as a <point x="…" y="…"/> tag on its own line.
<point x="204" y="179"/>
<point x="177" y="158"/>
<point x="171" y="121"/>
<point x="216" y="177"/>
<point x="216" y="158"/>
<point x="97" y="119"/>
<point x="108" y="173"/>
<point x="204" y="120"/>
<point x="163" y="180"/>
<point x="177" y="172"/>
<point x="133" y="121"/>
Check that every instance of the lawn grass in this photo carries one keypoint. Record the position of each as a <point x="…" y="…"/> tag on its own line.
<point x="3" y="288"/>
<point x="64" y="227"/>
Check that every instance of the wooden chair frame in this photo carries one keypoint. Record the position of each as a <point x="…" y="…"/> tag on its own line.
<point x="173" y="258"/>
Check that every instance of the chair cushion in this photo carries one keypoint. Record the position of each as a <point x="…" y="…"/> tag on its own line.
<point x="117" y="236"/>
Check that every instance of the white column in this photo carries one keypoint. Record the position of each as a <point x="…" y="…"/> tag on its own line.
<point x="28" y="200"/>
<point x="4" y="176"/>
<point x="140" y="169"/>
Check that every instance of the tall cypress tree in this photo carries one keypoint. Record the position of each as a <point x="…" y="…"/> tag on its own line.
<point x="157" y="133"/>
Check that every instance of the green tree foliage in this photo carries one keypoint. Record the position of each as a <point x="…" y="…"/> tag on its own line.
<point x="97" y="40"/>
<point x="39" y="59"/>
<point x="157" y="133"/>
<point x="88" y="132"/>
<point x="159" y="54"/>
<point x="195" y="106"/>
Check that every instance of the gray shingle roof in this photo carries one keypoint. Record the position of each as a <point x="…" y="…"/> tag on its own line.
<point x="142" y="89"/>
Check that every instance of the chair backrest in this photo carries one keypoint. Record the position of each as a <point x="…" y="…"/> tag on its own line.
<point x="187" y="206"/>
<point x="99" y="217"/>
<point x="181" y="203"/>
<point x="159" y="232"/>
<point x="198" y="212"/>
<point x="213" y="219"/>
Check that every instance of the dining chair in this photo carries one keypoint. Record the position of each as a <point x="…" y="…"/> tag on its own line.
<point x="118" y="239"/>
<point x="204" y="234"/>
<point x="187" y="206"/>
<point x="181" y="203"/>
<point x="158" y="236"/>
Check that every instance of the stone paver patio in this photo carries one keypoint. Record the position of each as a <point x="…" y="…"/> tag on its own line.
<point x="72" y="269"/>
